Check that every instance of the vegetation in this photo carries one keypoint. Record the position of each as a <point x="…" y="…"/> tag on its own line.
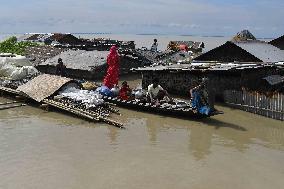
<point x="12" y="46"/>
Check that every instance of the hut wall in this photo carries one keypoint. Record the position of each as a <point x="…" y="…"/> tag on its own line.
<point x="258" y="103"/>
<point x="179" y="82"/>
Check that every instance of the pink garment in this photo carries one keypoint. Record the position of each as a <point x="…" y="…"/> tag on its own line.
<point x="111" y="77"/>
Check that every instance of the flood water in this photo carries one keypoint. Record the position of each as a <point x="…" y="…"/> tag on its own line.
<point x="48" y="150"/>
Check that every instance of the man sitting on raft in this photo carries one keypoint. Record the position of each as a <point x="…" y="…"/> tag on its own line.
<point x="156" y="93"/>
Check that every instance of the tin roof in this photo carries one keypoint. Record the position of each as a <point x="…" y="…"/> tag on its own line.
<point x="203" y="67"/>
<point x="244" y="51"/>
<point x="278" y="42"/>
<point x="262" y="50"/>
<point x="24" y="37"/>
<point x="79" y="59"/>
<point x="274" y="79"/>
<point x="65" y="38"/>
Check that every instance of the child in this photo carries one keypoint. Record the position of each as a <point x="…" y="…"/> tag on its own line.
<point x="125" y="91"/>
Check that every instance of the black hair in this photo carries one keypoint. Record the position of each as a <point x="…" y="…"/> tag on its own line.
<point x="155" y="40"/>
<point x="155" y="80"/>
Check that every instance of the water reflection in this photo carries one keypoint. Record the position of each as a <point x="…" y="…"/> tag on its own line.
<point x="113" y="134"/>
<point x="219" y="124"/>
<point x="37" y="145"/>
<point x="200" y="141"/>
<point x="153" y="128"/>
<point x="231" y="132"/>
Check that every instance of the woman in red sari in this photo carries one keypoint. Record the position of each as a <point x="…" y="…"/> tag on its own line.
<point x="111" y="77"/>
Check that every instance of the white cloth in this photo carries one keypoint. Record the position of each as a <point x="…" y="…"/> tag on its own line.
<point x="154" y="91"/>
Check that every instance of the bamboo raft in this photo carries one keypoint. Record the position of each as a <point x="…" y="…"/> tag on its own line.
<point x="96" y="114"/>
<point x="185" y="111"/>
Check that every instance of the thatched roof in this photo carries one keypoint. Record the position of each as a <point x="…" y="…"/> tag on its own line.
<point x="244" y="35"/>
<point x="43" y="86"/>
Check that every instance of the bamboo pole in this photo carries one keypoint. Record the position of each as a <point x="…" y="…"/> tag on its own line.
<point x="12" y="106"/>
<point x="12" y="102"/>
<point x="64" y="107"/>
<point x="83" y="113"/>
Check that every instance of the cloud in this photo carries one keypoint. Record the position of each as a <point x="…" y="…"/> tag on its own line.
<point x="204" y="17"/>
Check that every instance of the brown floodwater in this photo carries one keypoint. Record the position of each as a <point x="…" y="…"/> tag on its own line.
<point x="48" y="150"/>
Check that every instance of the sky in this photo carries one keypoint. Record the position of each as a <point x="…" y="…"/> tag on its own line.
<point x="264" y="18"/>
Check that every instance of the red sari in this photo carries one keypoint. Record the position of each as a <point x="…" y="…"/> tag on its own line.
<point x="111" y="77"/>
<point x="124" y="91"/>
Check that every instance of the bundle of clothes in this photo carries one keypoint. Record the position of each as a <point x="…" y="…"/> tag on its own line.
<point x="87" y="97"/>
<point x="124" y="92"/>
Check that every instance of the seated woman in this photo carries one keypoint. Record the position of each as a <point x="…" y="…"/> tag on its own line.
<point x="125" y="91"/>
<point x="198" y="101"/>
<point x="156" y="93"/>
<point x="183" y="47"/>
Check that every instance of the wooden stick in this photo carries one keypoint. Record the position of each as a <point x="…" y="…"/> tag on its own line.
<point x="13" y="106"/>
<point x="109" y="103"/>
<point x="13" y="102"/>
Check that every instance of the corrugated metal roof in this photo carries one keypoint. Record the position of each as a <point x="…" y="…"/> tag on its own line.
<point x="274" y="79"/>
<point x="278" y="42"/>
<point x="24" y="37"/>
<point x="79" y="59"/>
<point x="262" y="50"/>
<point x="204" y="67"/>
<point x="34" y="37"/>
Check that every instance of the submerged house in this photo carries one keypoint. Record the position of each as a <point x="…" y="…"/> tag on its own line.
<point x="195" y="47"/>
<point x="279" y="42"/>
<point x="233" y="65"/>
<point x="81" y="64"/>
<point x="178" y="79"/>
<point x="63" y="39"/>
<point x="243" y="47"/>
<point x="48" y="38"/>
<point x="34" y="37"/>
<point x="243" y="51"/>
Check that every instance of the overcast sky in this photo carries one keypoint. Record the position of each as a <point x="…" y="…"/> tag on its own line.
<point x="264" y="18"/>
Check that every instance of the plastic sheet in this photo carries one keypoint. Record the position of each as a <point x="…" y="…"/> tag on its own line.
<point x="90" y="98"/>
<point x="10" y="70"/>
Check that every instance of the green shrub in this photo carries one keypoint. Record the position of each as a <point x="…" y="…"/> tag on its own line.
<point x="12" y="46"/>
